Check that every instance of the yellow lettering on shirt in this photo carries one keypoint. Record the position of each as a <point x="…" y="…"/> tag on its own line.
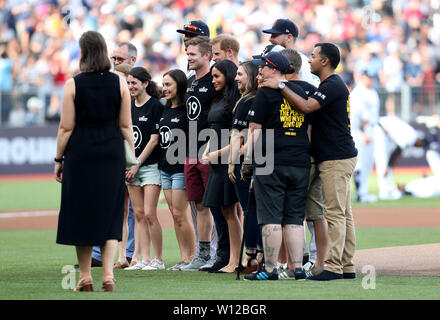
<point x="290" y="117"/>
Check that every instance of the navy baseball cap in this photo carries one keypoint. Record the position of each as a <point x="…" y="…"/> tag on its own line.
<point x="269" y="48"/>
<point x="283" y="26"/>
<point x="196" y="27"/>
<point x="275" y="60"/>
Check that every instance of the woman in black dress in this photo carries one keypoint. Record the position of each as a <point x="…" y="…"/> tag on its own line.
<point x="90" y="160"/>
<point x="220" y="192"/>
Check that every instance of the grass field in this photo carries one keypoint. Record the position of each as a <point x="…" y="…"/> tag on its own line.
<point x="32" y="262"/>
<point x="42" y="195"/>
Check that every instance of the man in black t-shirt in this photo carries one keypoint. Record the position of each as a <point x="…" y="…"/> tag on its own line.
<point x="280" y="195"/>
<point x="198" y="99"/>
<point x="333" y="148"/>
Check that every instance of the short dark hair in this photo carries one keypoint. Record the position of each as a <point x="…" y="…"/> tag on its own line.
<point x="180" y="78"/>
<point x="331" y="52"/>
<point x="143" y="75"/>
<point x="94" y="56"/>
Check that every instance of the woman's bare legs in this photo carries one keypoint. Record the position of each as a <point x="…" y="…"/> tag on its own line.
<point x="234" y="228"/>
<point x="141" y="234"/>
<point x="151" y="197"/>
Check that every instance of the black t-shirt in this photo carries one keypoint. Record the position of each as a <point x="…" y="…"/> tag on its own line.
<point x="198" y="100"/>
<point x="273" y="111"/>
<point x="240" y="121"/>
<point x="145" y="123"/>
<point x="331" y="136"/>
<point x="172" y="119"/>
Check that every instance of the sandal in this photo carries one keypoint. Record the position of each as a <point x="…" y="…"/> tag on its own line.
<point x="108" y="285"/>
<point x="85" y="285"/>
<point x="249" y="266"/>
<point x="121" y="265"/>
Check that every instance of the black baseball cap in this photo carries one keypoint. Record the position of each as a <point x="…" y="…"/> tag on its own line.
<point x="283" y="26"/>
<point x="269" y="48"/>
<point x="275" y="60"/>
<point x="195" y="27"/>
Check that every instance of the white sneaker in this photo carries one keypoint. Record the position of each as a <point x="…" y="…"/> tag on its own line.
<point x="156" y="264"/>
<point x="208" y="264"/>
<point x="309" y="265"/>
<point x="138" y="266"/>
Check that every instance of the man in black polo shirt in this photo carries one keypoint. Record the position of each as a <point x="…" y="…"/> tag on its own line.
<point x="333" y="148"/>
<point x="281" y="195"/>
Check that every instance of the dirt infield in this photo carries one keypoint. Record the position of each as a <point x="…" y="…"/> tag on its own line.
<point x="404" y="260"/>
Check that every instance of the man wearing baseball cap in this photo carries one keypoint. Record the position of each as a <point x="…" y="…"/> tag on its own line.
<point x="284" y="32"/>
<point x="281" y="194"/>
<point x="193" y="29"/>
<point x="335" y="154"/>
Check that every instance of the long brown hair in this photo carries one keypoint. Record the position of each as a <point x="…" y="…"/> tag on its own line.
<point x="143" y="75"/>
<point x="94" y="56"/>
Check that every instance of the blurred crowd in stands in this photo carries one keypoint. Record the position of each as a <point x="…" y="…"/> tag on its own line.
<point x="399" y="41"/>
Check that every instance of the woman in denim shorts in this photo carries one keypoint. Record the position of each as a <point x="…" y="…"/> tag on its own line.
<point x="172" y="128"/>
<point x="144" y="181"/>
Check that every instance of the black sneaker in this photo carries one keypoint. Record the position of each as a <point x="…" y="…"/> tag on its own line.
<point x="299" y="274"/>
<point x="262" y="275"/>
<point x="349" y="275"/>
<point x="326" y="276"/>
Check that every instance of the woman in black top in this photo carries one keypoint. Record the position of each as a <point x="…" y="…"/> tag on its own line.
<point x="172" y="128"/>
<point x="247" y="84"/>
<point x="144" y="181"/>
<point x="220" y="191"/>
<point x="94" y="121"/>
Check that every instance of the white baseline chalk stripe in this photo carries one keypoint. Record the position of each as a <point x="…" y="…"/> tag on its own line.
<point x="25" y="214"/>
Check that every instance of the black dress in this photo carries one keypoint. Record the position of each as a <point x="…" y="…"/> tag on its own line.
<point x="219" y="191"/>
<point x="93" y="187"/>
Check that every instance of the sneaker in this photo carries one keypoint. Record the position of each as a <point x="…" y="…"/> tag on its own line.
<point x="194" y="265"/>
<point x="308" y="266"/>
<point x="313" y="271"/>
<point x="208" y="264"/>
<point x="262" y="275"/>
<point x="286" y="274"/>
<point x="349" y="275"/>
<point x="138" y="266"/>
<point x="326" y="276"/>
<point x="299" y="274"/>
<point x="156" y="264"/>
<point x="177" y="266"/>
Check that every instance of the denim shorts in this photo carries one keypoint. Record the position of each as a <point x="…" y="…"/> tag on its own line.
<point x="148" y="174"/>
<point x="174" y="181"/>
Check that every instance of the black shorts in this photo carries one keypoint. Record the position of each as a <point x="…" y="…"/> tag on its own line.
<point x="281" y="196"/>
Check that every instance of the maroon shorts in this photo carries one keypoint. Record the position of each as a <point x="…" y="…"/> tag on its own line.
<point x="196" y="177"/>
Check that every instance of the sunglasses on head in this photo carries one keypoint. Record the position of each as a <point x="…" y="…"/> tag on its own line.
<point x="190" y="27"/>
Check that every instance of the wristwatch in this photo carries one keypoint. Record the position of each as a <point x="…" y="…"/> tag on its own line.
<point x="60" y="160"/>
<point x="281" y="85"/>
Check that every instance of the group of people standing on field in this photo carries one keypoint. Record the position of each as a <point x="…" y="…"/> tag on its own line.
<point x="259" y="147"/>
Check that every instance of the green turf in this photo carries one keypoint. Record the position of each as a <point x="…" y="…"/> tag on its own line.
<point x="31" y="266"/>
<point x="43" y="195"/>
